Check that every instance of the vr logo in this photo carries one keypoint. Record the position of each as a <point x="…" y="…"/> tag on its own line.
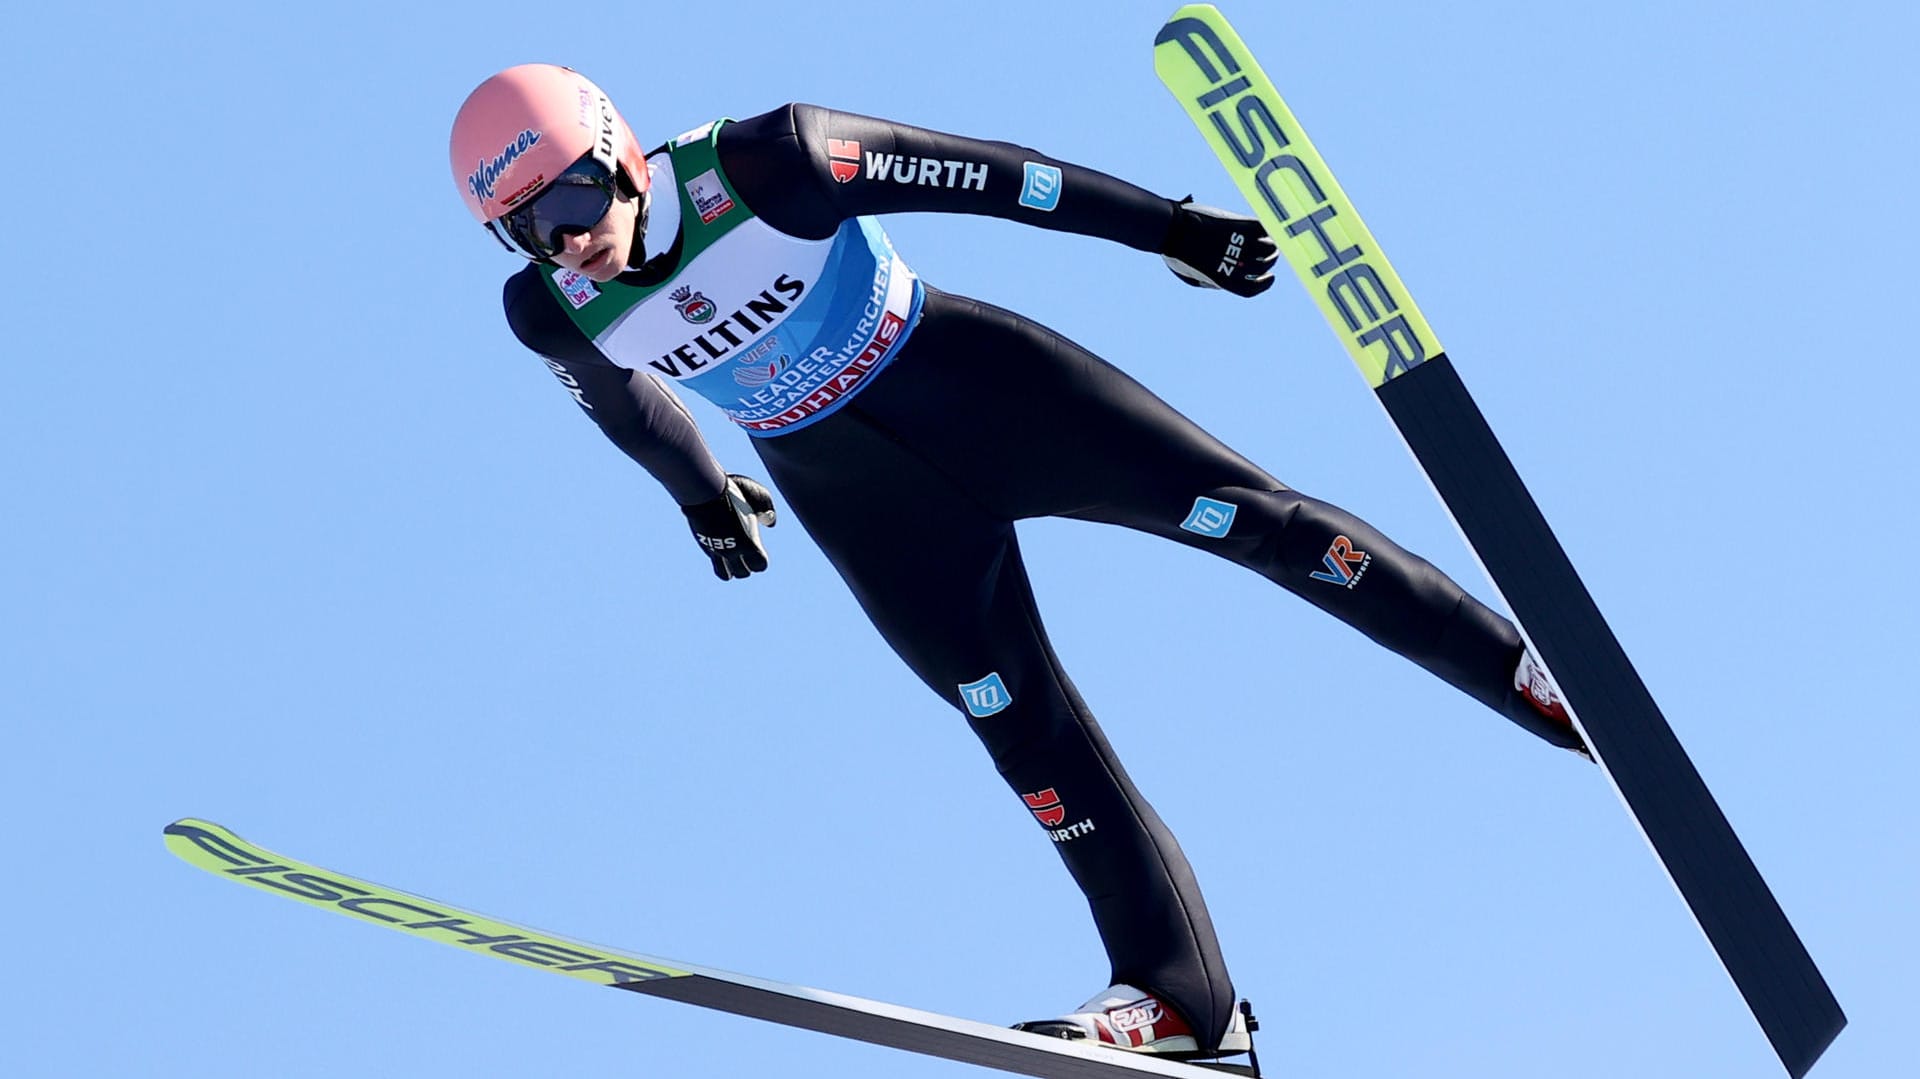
<point x="1344" y="564"/>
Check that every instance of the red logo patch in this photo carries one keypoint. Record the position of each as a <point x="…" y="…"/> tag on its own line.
<point x="1046" y="806"/>
<point x="846" y="158"/>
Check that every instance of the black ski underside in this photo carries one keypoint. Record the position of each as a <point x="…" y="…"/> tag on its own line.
<point x="1645" y="761"/>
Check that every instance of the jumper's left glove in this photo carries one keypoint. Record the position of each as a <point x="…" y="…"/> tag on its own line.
<point x="728" y="527"/>
<point x="1211" y="248"/>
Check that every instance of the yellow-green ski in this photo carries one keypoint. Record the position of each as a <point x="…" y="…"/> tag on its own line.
<point x="220" y="852"/>
<point x="1235" y="106"/>
<point x="1291" y="189"/>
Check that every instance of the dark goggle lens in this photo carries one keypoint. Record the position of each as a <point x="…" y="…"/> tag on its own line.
<point x="575" y="202"/>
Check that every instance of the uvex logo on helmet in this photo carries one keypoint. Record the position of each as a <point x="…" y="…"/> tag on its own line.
<point x="482" y="182"/>
<point x="603" y="147"/>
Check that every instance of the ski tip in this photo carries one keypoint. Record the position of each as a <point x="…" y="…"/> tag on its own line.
<point x="187" y="827"/>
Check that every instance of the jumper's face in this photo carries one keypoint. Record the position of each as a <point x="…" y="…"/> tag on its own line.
<point x="600" y="253"/>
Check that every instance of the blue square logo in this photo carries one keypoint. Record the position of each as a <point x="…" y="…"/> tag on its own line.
<point x="1042" y="189"/>
<point x="1210" y="517"/>
<point x="985" y="697"/>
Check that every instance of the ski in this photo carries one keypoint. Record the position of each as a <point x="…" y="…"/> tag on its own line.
<point x="224" y="854"/>
<point x="1227" y="95"/>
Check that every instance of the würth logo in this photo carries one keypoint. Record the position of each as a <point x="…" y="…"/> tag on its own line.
<point x="1046" y="806"/>
<point x="845" y="155"/>
<point x="1344" y="564"/>
<point x="1052" y="814"/>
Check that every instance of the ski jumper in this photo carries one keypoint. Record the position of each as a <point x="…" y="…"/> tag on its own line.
<point x="777" y="296"/>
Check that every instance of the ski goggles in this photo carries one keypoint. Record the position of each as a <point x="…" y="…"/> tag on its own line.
<point x="575" y="201"/>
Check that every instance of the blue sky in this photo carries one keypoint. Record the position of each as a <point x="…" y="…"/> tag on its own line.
<point x="300" y="540"/>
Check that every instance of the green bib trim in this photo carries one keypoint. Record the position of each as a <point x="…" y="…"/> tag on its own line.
<point x="704" y="220"/>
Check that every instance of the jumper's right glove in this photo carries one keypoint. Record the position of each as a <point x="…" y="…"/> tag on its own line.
<point x="728" y="527"/>
<point x="1211" y="248"/>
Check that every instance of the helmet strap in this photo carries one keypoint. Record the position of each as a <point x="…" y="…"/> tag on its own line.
<point x="637" y="251"/>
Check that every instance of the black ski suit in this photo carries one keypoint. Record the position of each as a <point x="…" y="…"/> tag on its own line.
<point x="1070" y="436"/>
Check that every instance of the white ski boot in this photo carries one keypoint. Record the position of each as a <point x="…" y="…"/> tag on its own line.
<point x="1122" y="1017"/>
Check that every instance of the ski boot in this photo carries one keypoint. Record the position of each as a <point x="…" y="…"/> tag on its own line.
<point x="1125" y="1018"/>
<point x="1531" y="679"/>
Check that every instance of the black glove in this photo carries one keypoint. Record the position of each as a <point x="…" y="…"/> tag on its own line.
<point x="1210" y="248"/>
<point x="728" y="527"/>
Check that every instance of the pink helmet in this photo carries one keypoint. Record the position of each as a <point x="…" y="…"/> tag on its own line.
<point x="528" y="124"/>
